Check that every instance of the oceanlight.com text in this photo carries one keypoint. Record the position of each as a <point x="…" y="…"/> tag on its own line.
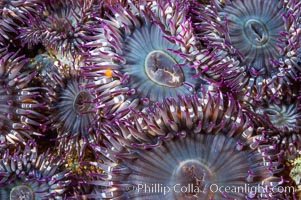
<point x="213" y="188"/>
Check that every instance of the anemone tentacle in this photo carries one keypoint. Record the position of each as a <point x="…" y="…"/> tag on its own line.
<point x="20" y="101"/>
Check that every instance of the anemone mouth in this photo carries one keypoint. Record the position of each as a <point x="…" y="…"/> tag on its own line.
<point x="82" y="102"/>
<point x="21" y="192"/>
<point x="254" y="30"/>
<point x="192" y="172"/>
<point x="162" y="69"/>
<point x="283" y="117"/>
<point x="155" y="70"/>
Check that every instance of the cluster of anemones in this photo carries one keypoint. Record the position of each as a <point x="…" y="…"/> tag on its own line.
<point x="157" y="99"/>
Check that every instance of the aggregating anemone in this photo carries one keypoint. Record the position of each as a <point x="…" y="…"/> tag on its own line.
<point x="262" y="36"/>
<point x="70" y="105"/>
<point x="278" y="115"/>
<point x="25" y="174"/>
<point x="145" y="154"/>
<point x="14" y="13"/>
<point x="64" y="27"/>
<point x="125" y="98"/>
<point x="144" y="54"/>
